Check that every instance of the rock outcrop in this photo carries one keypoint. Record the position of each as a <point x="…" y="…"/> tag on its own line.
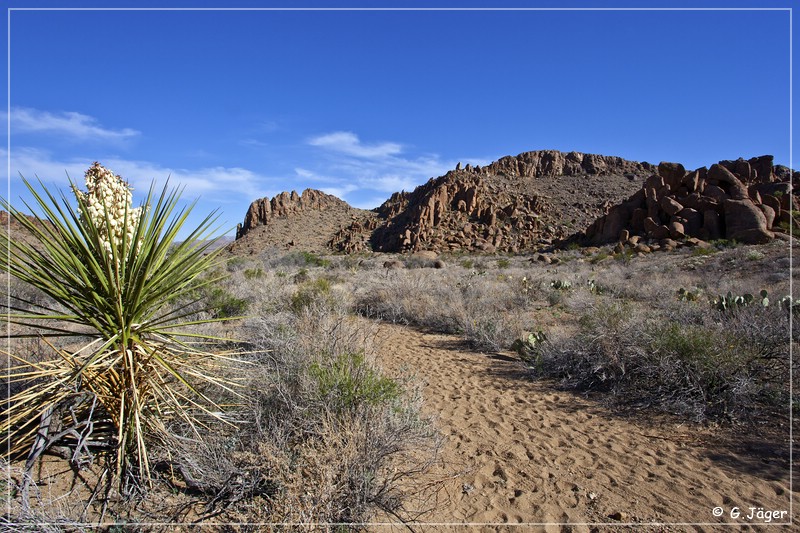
<point x="742" y="200"/>
<point x="306" y="221"/>
<point x="516" y="203"/>
<point x="554" y="163"/>
<point x="285" y="204"/>
<point x="534" y="200"/>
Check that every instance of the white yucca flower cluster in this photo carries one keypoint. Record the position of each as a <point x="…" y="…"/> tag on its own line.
<point x="109" y="197"/>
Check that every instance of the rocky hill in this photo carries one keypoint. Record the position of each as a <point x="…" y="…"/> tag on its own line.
<point x="516" y="203"/>
<point x="307" y="221"/>
<point x="742" y="200"/>
<point x="534" y="200"/>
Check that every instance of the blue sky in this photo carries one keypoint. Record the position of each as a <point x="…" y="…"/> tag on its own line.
<point x="239" y="105"/>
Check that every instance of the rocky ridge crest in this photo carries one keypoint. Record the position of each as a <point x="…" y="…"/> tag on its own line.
<point x="515" y="203"/>
<point x="532" y="201"/>
<point x="307" y="220"/>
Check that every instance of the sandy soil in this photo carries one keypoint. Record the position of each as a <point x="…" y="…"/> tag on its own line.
<point x="518" y="451"/>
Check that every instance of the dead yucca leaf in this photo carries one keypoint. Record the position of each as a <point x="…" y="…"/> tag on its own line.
<point x="111" y="270"/>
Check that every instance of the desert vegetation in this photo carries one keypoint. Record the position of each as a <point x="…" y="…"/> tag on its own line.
<point x="127" y="359"/>
<point x="260" y="391"/>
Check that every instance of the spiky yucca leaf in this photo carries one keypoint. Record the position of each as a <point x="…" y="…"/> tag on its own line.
<point x="140" y="365"/>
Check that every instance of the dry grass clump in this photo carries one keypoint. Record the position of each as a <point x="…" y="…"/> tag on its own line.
<point x="694" y="361"/>
<point x="485" y="307"/>
<point x="323" y="437"/>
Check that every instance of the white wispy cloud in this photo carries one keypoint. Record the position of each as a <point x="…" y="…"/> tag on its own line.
<point x="68" y="123"/>
<point x="327" y="184"/>
<point x="226" y="183"/>
<point x="348" y="143"/>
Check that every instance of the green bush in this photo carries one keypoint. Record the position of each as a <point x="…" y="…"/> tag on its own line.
<point x="254" y="273"/>
<point x="700" y="251"/>
<point x="315" y="260"/>
<point x="225" y="305"/>
<point x="310" y="293"/>
<point x="346" y="382"/>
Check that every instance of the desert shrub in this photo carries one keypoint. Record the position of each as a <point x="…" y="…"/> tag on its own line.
<point x="414" y="261"/>
<point x="346" y="381"/>
<point x="112" y="269"/>
<point x="353" y="262"/>
<point x="323" y="436"/>
<point x="722" y="244"/>
<point x="223" y="304"/>
<point x="310" y="293"/>
<point x="624" y="256"/>
<point x="335" y="432"/>
<point x="486" y="310"/>
<point x="555" y="297"/>
<point x="315" y="260"/>
<point x="700" y="251"/>
<point x="299" y="258"/>
<point x="693" y="361"/>
<point x="235" y="263"/>
<point x="253" y="273"/>
<point x="489" y="332"/>
<point x="503" y="263"/>
<point x="417" y="297"/>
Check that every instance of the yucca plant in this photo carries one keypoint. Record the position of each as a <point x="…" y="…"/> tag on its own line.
<point x="111" y="271"/>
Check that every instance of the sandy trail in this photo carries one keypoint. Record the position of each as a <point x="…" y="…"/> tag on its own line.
<point x="520" y="452"/>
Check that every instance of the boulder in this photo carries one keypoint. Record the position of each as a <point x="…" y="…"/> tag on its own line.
<point x="762" y="168"/>
<point x="775" y="189"/>
<point x="716" y="193"/>
<point x="728" y="182"/>
<point x="745" y="223"/>
<point x="771" y="201"/>
<point x="655" y="230"/>
<point x="670" y="206"/>
<point x="769" y="214"/>
<point x="676" y="230"/>
<point x="692" y="220"/>
<point x="613" y="224"/>
<point x="654" y="182"/>
<point x="692" y="182"/>
<point x="637" y="221"/>
<point x="672" y="173"/>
